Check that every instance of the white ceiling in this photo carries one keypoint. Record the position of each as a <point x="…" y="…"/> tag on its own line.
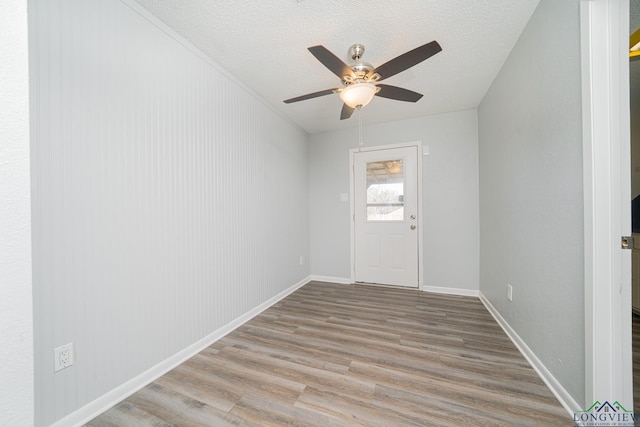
<point x="264" y="44"/>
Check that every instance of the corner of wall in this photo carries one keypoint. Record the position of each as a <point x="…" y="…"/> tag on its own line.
<point x="563" y="396"/>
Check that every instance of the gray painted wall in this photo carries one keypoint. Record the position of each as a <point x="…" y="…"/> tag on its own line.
<point x="531" y="202"/>
<point x="634" y="83"/>
<point x="450" y="195"/>
<point x="168" y="200"/>
<point x="635" y="132"/>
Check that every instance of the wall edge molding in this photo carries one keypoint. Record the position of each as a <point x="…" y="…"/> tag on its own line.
<point x="451" y="291"/>
<point x="330" y="279"/>
<point x="563" y="396"/>
<point x="91" y="410"/>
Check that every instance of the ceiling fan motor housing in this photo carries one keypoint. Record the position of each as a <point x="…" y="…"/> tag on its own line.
<point x="360" y="68"/>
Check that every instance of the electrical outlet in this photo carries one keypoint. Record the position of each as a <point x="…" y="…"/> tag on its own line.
<point x="63" y="357"/>
<point x="509" y="292"/>
<point x="301" y="260"/>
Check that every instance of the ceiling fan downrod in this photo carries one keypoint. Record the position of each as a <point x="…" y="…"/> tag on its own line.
<point x="356" y="51"/>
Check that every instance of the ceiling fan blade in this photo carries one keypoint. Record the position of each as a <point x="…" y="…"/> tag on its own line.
<point x="332" y="62"/>
<point x="398" y="93"/>
<point x="406" y="60"/>
<point x="310" y="95"/>
<point x="346" y="112"/>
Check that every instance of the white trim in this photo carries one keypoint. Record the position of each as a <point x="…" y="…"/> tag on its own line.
<point x="108" y="400"/>
<point x="352" y="216"/>
<point x="605" y="91"/>
<point x="388" y="146"/>
<point x="588" y="189"/>
<point x="432" y="289"/>
<point x="17" y="394"/>
<point x="329" y="279"/>
<point x="565" y="399"/>
<point x="451" y="291"/>
<point x="419" y="156"/>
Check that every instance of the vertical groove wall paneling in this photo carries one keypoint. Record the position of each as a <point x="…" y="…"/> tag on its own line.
<point x="167" y="198"/>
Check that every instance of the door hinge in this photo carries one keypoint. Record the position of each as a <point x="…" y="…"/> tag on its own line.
<point x="626" y="242"/>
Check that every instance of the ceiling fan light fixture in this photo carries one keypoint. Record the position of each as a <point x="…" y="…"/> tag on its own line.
<point x="358" y="94"/>
<point x="360" y="79"/>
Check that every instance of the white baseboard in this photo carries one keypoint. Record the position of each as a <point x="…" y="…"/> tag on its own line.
<point x="451" y="291"/>
<point x="434" y="289"/>
<point x="565" y="399"/>
<point x="338" y="280"/>
<point x="108" y="400"/>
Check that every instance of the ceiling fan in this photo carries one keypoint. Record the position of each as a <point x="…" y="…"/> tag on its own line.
<point x="360" y="80"/>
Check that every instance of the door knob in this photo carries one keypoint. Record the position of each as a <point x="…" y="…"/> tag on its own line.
<point x="413" y="227"/>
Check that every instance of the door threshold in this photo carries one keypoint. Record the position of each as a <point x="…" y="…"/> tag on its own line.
<point x="383" y="285"/>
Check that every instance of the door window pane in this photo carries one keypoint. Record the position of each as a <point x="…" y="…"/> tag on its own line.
<point x="385" y="190"/>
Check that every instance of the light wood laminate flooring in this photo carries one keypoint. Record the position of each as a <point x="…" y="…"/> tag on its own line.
<point x="352" y="355"/>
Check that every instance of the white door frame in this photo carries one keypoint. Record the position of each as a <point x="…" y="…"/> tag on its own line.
<point x="606" y="173"/>
<point x="352" y="198"/>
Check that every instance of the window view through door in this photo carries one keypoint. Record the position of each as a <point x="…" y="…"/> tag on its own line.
<point x="385" y="190"/>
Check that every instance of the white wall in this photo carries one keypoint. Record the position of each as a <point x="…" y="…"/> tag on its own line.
<point x="168" y="199"/>
<point x="450" y="195"/>
<point x="531" y="194"/>
<point x="16" y="321"/>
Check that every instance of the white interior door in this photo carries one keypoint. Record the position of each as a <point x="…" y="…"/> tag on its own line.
<point x="386" y="216"/>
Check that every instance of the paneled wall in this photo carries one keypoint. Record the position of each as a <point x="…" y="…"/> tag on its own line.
<point x="167" y="198"/>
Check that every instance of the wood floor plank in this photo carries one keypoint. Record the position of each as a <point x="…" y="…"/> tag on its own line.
<point x="126" y="414"/>
<point x="352" y="355"/>
<point x="176" y="409"/>
<point x="456" y="392"/>
<point x="264" y="410"/>
<point x="293" y="371"/>
<point x="191" y="383"/>
<point x="436" y="411"/>
<point x="356" y="410"/>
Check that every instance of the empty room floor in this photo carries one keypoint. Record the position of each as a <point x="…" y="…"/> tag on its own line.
<point x="349" y="355"/>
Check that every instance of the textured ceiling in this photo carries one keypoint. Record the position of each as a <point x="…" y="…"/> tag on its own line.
<point x="264" y="44"/>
